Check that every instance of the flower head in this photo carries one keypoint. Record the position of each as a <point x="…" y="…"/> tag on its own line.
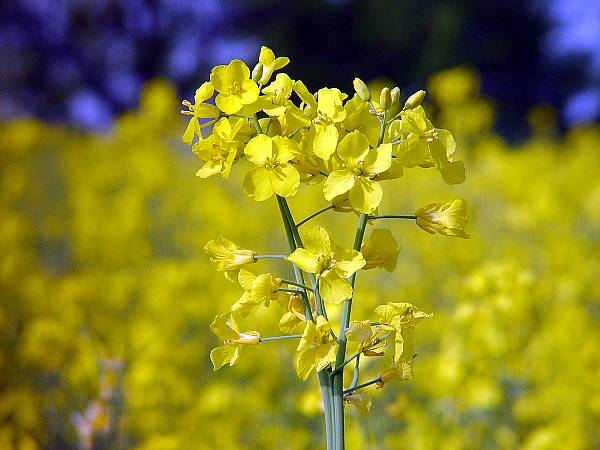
<point x="360" y="166"/>
<point x="332" y="264"/>
<point x="274" y="174"/>
<point x="226" y="329"/>
<point x="234" y="85"/>
<point x="448" y="219"/>
<point x="316" y="349"/>
<point x="258" y="290"/>
<point x="228" y="257"/>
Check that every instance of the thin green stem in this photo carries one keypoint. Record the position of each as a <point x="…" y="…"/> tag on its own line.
<point x="354" y="381"/>
<point x="279" y="338"/>
<point x="294" y="283"/>
<point x="312" y="216"/>
<point x="392" y="217"/>
<point x="360" y="386"/>
<point x="256" y="124"/>
<point x="270" y="256"/>
<point x="347" y="361"/>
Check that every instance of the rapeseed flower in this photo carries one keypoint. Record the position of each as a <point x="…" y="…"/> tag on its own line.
<point x="331" y="264"/>
<point x="228" y="257"/>
<point x="316" y="349"/>
<point x="234" y="85"/>
<point x="448" y="219"/>
<point x="199" y="110"/>
<point x="226" y="329"/>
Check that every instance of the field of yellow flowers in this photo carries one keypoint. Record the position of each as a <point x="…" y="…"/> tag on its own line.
<point x="107" y="294"/>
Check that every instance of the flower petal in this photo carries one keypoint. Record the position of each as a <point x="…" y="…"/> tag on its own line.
<point x="285" y="180"/>
<point x="334" y="289"/>
<point x="257" y="184"/>
<point x="366" y="195"/>
<point x="338" y="182"/>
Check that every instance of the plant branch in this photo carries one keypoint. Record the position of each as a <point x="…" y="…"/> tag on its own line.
<point x="312" y="216"/>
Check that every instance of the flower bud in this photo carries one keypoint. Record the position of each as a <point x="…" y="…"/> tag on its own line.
<point x="415" y="100"/>
<point x="257" y="72"/>
<point x="362" y="89"/>
<point x="448" y="219"/>
<point x="385" y="98"/>
<point x="395" y="96"/>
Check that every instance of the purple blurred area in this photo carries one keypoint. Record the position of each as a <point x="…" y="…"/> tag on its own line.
<point x="81" y="62"/>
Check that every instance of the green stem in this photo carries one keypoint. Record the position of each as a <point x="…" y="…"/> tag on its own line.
<point x="325" y="381"/>
<point x="349" y="360"/>
<point x="354" y="381"/>
<point x="360" y="386"/>
<point x="270" y="257"/>
<point x="312" y="216"/>
<point x="294" y="283"/>
<point x="392" y="217"/>
<point x="278" y="338"/>
<point x="338" y="378"/>
<point x="256" y="124"/>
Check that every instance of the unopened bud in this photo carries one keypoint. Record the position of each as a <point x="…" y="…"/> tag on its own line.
<point x="362" y="89"/>
<point x="385" y="98"/>
<point x="257" y="72"/>
<point x="395" y="95"/>
<point x="415" y="100"/>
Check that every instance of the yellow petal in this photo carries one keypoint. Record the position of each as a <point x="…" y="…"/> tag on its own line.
<point x="305" y="260"/>
<point x="285" y="180"/>
<point x="224" y="355"/>
<point x="353" y="148"/>
<point x="366" y="195"/>
<point x="316" y="239"/>
<point x="338" y="182"/>
<point x="334" y="289"/>
<point x="325" y="141"/>
<point x="257" y="184"/>
<point x="259" y="149"/>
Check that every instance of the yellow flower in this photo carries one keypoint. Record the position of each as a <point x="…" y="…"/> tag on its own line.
<point x="316" y="349"/>
<point x="361" y="331"/>
<point x="391" y="374"/>
<point x="332" y="264"/>
<point x="226" y="329"/>
<point x="424" y="145"/>
<point x="361" y="165"/>
<point x="400" y="319"/>
<point x="448" y="219"/>
<point x="258" y="290"/>
<point x="270" y="64"/>
<point x="278" y="93"/>
<point x="219" y="150"/>
<point x="274" y="174"/>
<point x="234" y="85"/>
<point x="381" y="250"/>
<point x="361" y="400"/>
<point x="199" y="110"/>
<point x="291" y="303"/>
<point x="228" y="257"/>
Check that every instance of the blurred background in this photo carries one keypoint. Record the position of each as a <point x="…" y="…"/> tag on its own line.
<point x="107" y="295"/>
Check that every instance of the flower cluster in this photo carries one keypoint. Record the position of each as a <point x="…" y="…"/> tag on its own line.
<point x="285" y="136"/>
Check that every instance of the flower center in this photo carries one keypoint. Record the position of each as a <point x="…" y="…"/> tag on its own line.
<point x="236" y="87"/>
